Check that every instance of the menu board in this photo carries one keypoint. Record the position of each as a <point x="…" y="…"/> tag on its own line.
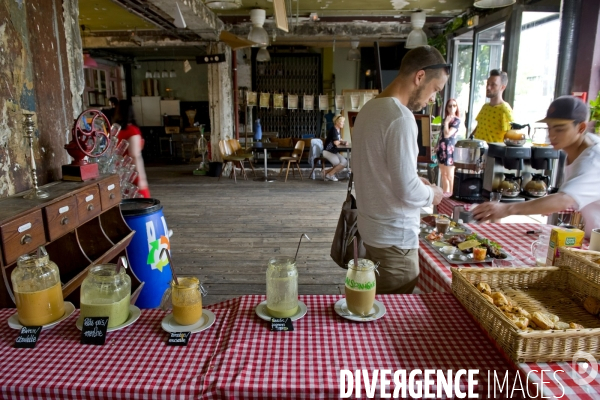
<point x="292" y="101"/>
<point x="308" y="102"/>
<point x="339" y="102"/>
<point x="264" y="100"/>
<point x="323" y="102"/>
<point x="277" y="100"/>
<point x="251" y="98"/>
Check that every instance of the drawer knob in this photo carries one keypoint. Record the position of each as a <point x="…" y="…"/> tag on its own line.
<point x="26" y="239"/>
<point x="64" y="221"/>
<point x="112" y="196"/>
<point x="90" y="207"/>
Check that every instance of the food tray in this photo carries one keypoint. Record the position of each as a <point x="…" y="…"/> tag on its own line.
<point x="460" y="257"/>
<point x="559" y="290"/>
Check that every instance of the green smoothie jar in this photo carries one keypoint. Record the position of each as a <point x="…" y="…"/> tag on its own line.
<point x="106" y="292"/>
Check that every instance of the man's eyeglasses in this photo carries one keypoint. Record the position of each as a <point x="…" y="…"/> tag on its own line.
<point x="447" y="67"/>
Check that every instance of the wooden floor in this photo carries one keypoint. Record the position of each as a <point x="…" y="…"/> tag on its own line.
<point x="224" y="233"/>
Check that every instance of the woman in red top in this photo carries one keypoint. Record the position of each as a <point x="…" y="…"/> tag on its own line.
<point x="131" y="133"/>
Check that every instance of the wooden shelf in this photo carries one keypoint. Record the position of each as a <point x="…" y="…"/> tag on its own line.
<point x="75" y="241"/>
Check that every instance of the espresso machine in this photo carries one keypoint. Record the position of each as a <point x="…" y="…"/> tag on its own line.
<point x="509" y="169"/>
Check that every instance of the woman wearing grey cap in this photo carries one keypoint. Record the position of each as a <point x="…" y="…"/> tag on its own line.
<point x="567" y="122"/>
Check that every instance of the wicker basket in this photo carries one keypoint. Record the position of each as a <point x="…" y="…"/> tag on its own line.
<point x="557" y="290"/>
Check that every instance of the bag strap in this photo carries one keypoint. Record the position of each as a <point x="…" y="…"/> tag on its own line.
<point x="349" y="186"/>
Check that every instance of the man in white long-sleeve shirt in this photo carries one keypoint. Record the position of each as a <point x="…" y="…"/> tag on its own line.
<point x="389" y="193"/>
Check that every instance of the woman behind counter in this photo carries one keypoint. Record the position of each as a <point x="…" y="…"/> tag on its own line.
<point x="445" y="147"/>
<point x="331" y="152"/>
<point x="130" y="132"/>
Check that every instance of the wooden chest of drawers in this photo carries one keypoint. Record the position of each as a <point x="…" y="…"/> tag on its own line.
<point x="80" y="224"/>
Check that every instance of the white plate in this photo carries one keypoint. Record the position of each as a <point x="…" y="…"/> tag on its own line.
<point x="263" y="312"/>
<point x="208" y="318"/>
<point x="134" y="314"/>
<point x="14" y="323"/>
<point x="341" y="308"/>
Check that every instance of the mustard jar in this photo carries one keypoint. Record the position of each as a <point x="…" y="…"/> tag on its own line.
<point x="282" y="287"/>
<point x="106" y="292"/>
<point x="37" y="288"/>
<point x="185" y="298"/>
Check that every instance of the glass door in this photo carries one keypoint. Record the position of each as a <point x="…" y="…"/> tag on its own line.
<point x="489" y="47"/>
<point x="536" y="69"/>
<point x="460" y="81"/>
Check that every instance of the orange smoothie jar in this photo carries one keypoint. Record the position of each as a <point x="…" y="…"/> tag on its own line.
<point x="37" y="288"/>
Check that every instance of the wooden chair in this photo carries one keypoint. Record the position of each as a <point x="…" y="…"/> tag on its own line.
<point x="228" y="156"/>
<point x="295" y="158"/>
<point x="237" y="150"/>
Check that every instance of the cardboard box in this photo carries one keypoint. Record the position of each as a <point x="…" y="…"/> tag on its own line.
<point x="563" y="237"/>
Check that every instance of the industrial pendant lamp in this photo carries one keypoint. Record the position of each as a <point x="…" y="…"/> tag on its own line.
<point x="416" y="37"/>
<point x="156" y="73"/>
<point x="493" y="3"/>
<point x="263" y="55"/>
<point x="353" y="53"/>
<point x="223" y="4"/>
<point x="258" y="34"/>
<point x="165" y="73"/>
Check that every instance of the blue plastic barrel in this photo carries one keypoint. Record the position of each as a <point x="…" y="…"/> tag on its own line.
<point x="146" y="218"/>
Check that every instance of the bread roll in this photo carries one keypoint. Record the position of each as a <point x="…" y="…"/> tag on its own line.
<point x="522" y="312"/>
<point x="521" y="322"/>
<point x="552" y="317"/>
<point x="499" y="299"/>
<point x="561" y="325"/>
<point x="573" y="325"/>
<point x="542" y="321"/>
<point x="592" y="305"/>
<point x="488" y="298"/>
<point x="484" y="288"/>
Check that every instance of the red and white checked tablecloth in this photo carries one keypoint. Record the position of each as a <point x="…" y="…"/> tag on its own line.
<point x="435" y="270"/>
<point x="239" y="358"/>
<point x="447" y="205"/>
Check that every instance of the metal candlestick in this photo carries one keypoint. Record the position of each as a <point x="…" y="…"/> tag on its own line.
<point x="36" y="192"/>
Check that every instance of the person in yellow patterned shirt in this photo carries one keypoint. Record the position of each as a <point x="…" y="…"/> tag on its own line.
<point x="494" y="118"/>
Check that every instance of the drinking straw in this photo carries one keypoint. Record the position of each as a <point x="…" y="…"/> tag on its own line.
<point x="173" y="275"/>
<point x="355" y="252"/>
<point x="301" y="236"/>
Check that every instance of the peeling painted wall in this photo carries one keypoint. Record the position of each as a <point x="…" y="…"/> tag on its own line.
<point x="33" y="78"/>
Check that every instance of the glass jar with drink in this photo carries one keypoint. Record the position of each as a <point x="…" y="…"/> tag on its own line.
<point x="282" y="287"/>
<point x="360" y="287"/>
<point x="185" y="297"/>
<point x="37" y="288"/>
<point x="442" y="224"/>
<point x="106" y="292"/>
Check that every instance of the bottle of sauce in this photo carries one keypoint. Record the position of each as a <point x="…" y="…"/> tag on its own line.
<point x="106" y="292"/>
<point x="37" y="288"/>
<point x="360" y="287"/>
<point x="282" y="287"/>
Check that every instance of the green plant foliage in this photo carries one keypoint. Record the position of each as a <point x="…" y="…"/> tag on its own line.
<point x="595" y="112"/>
<point x="440" y="41"/>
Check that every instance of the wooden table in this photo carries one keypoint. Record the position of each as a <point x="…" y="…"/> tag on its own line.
<point x="240" y="358"/>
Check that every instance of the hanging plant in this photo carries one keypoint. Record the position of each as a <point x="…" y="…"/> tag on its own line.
<point x="595" y="112"/>
<point x="440" y="41"/>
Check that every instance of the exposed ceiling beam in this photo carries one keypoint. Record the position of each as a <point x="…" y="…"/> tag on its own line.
<point x="364" y="31"/>
<point x="199" y="18"/>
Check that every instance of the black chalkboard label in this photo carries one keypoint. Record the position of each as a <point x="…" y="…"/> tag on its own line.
<point x="28" y="337"/>
<point x="178" y="338"/>
<point x="94" y="330"/>
<point x="281" y="324"/>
